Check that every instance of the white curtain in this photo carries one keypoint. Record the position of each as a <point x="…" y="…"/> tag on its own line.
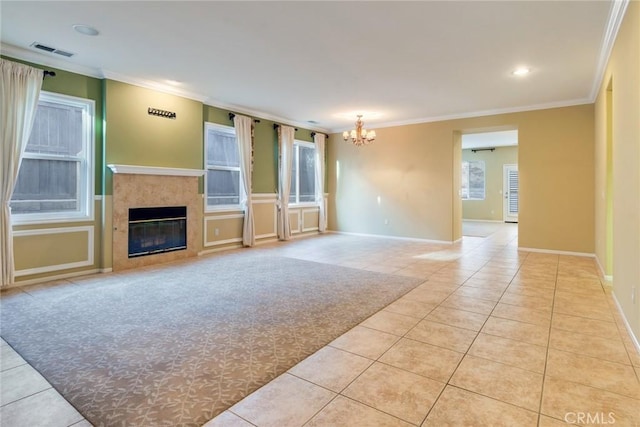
<point x="318" y="138"/>
<point x="19" y="93"/>
<point x="243" y="125"/>
<point x="286" y="135"/>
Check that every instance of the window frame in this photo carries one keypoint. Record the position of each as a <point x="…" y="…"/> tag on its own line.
<point x="86" y="176"/>
<point x="296" y="158"/>
<point x="484" y="181"/>
<point x="231" y="130"/>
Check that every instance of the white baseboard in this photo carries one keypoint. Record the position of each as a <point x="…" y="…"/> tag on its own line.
<point x="408" y="239"/>
<point x="53" y="278"/>
<point x="483" y="220"/>
<point x="106" y="270"/>
<point x="551" y="251"/>
<point x="226" y="248"/>
<point x="608" y="278"/>
<point x="634" y="339"/>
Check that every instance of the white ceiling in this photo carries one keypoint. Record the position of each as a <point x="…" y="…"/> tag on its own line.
<point x="324" y="61"/>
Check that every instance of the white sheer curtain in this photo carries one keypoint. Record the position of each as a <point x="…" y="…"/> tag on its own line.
<point x="286" y="135"/>
<point x="318" y="138"/>
<point x="243" y="125"/>
<point x="19" y="93"/>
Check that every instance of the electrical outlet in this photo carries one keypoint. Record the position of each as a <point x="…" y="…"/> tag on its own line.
<point x="386" y="222"/>
<point x="216" y="231"/>
<point x="633" y="294"/>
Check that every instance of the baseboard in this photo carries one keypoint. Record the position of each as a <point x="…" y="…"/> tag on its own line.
<point x="265" y="241"/>
<point x="483" y="220"/>
<point x="106" y="270"/>
<point x="634" y="339"/>
<point x="608" y="279"/>
<point x="408" y="239"/>
<point x="52" y="278"/>
<point x="551" y="251"/>
<point x="225" y="248"/>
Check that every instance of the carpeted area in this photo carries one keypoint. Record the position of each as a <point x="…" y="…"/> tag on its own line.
<point x="177" y="344"/>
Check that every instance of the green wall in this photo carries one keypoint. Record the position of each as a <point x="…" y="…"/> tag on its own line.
<point x="81" y="86"/>
<point x="265" y="149"/>
<point x="136" y="138"/>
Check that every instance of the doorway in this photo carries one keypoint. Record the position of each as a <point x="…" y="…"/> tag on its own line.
<point x="510" y="191"/>
<point x="489" y="189"/>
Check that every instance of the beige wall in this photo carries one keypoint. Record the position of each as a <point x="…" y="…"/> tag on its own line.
<point x="491" y="208"/>
<point x="623" y="71"/>
<point x="403" y="184"/>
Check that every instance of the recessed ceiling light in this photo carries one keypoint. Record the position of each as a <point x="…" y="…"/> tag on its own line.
<point x="522" y="71"/>
<point x="86" y="30"/>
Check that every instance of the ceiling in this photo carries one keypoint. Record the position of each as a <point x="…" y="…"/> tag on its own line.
<point x="318" y="63"/>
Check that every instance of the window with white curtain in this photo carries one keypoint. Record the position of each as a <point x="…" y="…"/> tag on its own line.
<point x="303" y="184"/>
<point x="473" y="180"/>
<point x="223" y="185"/>
<point x="56" y="176"/>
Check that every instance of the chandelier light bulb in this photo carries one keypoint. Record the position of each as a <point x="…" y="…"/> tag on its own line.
<point x="359" y="136"/>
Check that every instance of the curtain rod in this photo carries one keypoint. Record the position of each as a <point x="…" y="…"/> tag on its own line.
<point x="47" y="73"/>
<point x="277" y="125"/>
<point x="314" y="134"/>
<point x="232" y="115"/>
<point x="475" y="150"/>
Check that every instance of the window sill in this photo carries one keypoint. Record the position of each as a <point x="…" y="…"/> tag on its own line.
<point x="223" y="209"/>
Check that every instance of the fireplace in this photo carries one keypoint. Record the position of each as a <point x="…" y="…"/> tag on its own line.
<point x="157" y="230"/>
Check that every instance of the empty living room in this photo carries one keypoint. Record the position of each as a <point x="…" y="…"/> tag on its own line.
<point x="313" y="213"/>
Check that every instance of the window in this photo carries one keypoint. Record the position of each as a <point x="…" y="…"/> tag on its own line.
<point x="56" y="176"/>
<point x="303" y="173"/>
<point x="223" y="185"/>
<point x="473" y="180"/>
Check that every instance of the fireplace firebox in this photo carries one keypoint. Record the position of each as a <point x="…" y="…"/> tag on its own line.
<point x="156" y="230"/>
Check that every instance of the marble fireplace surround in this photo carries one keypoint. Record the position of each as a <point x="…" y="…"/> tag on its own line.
<point x="144" y="186"/>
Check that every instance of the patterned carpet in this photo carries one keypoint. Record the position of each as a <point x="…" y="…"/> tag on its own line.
<point x="177" y="344"/>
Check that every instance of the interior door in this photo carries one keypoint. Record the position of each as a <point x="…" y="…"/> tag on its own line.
<point x="510" y="192"/>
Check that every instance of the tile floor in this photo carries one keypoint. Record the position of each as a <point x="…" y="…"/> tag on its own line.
<point x="494" y="336"/>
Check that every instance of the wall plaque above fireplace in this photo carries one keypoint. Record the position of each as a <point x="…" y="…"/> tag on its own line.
<point x="157" y="229"/>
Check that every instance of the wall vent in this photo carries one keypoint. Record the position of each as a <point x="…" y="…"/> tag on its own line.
<point x="50" y="49"/>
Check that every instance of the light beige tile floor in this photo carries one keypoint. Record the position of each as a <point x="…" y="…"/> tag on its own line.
<point x="494" y="336"/>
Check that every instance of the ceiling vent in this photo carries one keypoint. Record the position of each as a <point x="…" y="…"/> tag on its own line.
<point x="51" y="49"/>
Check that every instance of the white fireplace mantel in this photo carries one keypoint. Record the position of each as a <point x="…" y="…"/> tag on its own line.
<point x="151" y="170"/>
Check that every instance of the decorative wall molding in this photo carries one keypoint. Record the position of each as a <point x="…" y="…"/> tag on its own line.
<point x="153" y="170"/>
<point x="314" y="227"/>
<point x="267" y="198"/>
<point x="298" y="213"/>
<point x="205" y="232"/>
<point x="57" y="267"/>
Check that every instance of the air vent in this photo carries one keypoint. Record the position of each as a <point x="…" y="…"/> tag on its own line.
<point x="52" y="49"/>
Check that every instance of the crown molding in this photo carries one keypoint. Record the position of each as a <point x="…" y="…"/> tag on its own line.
<point x="48" y="60"/>
<point x="262" y="115"/>
<point x="481" y="113"/>
<point x="616" y="14"/>
<point x="156" y="86"/>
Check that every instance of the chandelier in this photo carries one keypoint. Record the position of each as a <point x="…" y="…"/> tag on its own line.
<point x="359" y="136"/>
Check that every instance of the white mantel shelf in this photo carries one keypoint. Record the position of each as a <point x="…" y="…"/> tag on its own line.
<point x="150" y="170"/>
